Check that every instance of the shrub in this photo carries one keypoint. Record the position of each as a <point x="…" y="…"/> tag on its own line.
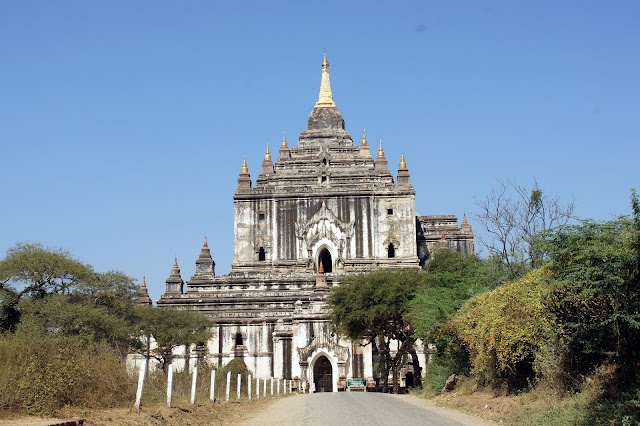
<point x="40" y="376"/>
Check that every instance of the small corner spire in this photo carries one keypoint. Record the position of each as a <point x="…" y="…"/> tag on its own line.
<point x="284" y="140"/>
<point x="175" y="262"/>
<point x="380" y="150"/>
<point x="144" y="282"/>
<point x="320" y="268"/>
<point x="464" y="219"/>
<point x="403" y="163"/>
<point x="364" y="138"/>
<point x="444" y="237"/>
<point x="206" y="243"/>
<point x="245" y="168"/>
<point x="325" y="99"/>
<point x="267" y="155"/>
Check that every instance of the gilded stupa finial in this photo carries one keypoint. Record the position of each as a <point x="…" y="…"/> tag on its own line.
<point x="403" y="164"/>
<point x="325" y="100"/>
<point x="144" y="282"/>
<point x="245" y="168"/>
<point x="380" y="150"/>
<point x="364" y="138"/>
<point x="284" y="140"/>
<point x="175" y="262"/>
<point x="206" y="243"/>
<point x="267" y="155"/>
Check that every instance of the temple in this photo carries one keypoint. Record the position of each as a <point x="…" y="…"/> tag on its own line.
<point x="326" y="208"/>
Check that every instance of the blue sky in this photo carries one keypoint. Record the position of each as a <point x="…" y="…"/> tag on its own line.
<point x="123" y="124"/>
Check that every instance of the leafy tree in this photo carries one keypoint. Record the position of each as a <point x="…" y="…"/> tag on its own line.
<point x="374" y="307"/>
<point x="512" y="215"/>
<point x="597" y="299"/>
<point x="169" y="329"/>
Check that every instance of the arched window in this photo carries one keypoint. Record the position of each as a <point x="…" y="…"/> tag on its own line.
<point x="391" y="251"/>
<point x="261" y="255"/>
<point x="239" y="341"/>
<point x="325" y="259"/>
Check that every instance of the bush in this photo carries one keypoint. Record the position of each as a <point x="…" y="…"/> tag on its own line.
<point x="504" y="330"/>
<point x="41" y="376"/>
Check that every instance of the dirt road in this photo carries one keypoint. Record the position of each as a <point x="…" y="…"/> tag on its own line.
<point x="355" y="408"/>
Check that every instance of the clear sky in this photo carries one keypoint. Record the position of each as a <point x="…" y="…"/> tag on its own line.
<point x="123" y="124"/>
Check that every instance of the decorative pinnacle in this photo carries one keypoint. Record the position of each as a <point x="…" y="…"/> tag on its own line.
<point x="444" y="237"/>
<point x="144" y="282"/>
<point x="464" y="219"/>
<point x="245" y="168"/>
<point x="320" y="268"/>
<point x="267" y="155"/>
<point x="380" y="150"/>
<point x="284" y="140"/>
<point x="206" y="244"/>
<point x="403" y="164"/>
<point x="325" y="100"/>
<point x="175" y="262"/>
<point x="364" y="138"/>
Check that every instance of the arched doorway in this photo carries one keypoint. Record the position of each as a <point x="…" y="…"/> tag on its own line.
<point x="323" y="374"/>
<point x="325" y="259"/>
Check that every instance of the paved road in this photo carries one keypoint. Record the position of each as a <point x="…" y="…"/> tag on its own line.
<point x="358" y="408"/>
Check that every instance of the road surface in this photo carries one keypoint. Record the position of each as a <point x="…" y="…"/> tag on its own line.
<point x="358" y="408"/>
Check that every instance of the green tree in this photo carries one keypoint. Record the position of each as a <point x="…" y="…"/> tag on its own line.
<point x="30" y="270"/>
<point x="597" y="297"/>
<point x="374" y="307"/>
<point x="164" y="329"/>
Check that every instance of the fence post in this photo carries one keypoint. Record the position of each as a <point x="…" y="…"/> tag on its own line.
<point x="249" y="387"/>
<point x="212" y="391"/>
<point x="290" y="385"/>
<point x="228" y="385"/>
<point x="272" y="386"/>
<point x="143" y="370"/>
<point x="239" y="382"/>
<point x="278" y="386"/>
<point x="169" y="384"/>
<point x="193" y="385"/>
<point x="257" y="387"/>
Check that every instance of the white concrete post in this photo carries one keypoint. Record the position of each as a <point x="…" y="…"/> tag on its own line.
<point x="264" y="388"/>
<point x="193" y="385"/>
<point x="278" y="386"/>
<point x="212" y="391"/>
<point x="272" y="386"/>
<point x="239" y="382"/>
<point x="169" y="384"/>
<point x="228" y="386"/>
<point x="290" y="385"/>
<point x="284" y="385"/>
<point x="257" y="387"/>
<point x="249" y="387"/>
<point x="143" y="370"/>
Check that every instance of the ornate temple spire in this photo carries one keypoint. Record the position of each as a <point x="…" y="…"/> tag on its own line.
<point x="403" y="164"/>
<point x="143" y="294"/>
<point x="267" y="155"/>
<point x="284" y="140"/>
<point x="244" y="181"/>
<point x="205" y="266"/>
<point x="175" y="284"/>
<point x="381" y="151"/>
<point x="364" y="138"/>
<point x="144" y="282"/>
<point x="464" y="219"/>
<point x="245" y="169"/>
<point x="206" y="243"/>
<point x="325" y="99"/>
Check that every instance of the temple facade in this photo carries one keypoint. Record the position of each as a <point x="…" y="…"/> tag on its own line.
<point x="326" y="208"/>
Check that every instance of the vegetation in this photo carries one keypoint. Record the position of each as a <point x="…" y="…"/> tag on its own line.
<point x="375" y="307"/>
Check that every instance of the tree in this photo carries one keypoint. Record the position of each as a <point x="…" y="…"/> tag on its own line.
<point x="597" y="297"/>
<point x="31" y="270"/>
<point x="170" y="328"/>
<point x="512" y="216"/>
<point x="374" y="308"/>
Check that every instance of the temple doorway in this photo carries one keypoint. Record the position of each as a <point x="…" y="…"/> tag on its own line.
<point x="325" y="259"/>
<point x="323" y="375"/>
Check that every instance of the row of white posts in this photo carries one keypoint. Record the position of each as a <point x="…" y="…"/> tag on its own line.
<point x="287" y="385"/>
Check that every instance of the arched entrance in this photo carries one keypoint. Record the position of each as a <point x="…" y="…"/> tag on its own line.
<point x="325" y="258"/>
<point x="323" y="374"/>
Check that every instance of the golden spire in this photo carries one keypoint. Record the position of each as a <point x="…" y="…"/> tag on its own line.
<point x="175" y="262"/>
<point x="325" y="100"/>
<point x="144" y="282"/>
<point x="206" y="244"/>
<point x="364" y="138"/>
<point x="267" y="155"/>
<point x="320" y="268"/>
<point x="403" y="164"/>
<point x="380" y="150"/>
<point x="284" y="140"/>
<point x="245" y="168"/>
